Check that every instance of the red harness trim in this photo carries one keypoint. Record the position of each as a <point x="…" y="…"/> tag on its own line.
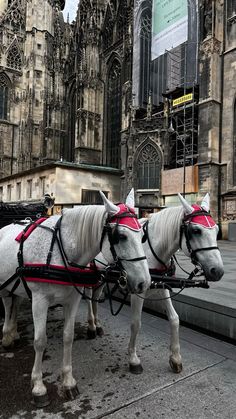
<point x="62" y="269"/>
<point x="23" y="235"/>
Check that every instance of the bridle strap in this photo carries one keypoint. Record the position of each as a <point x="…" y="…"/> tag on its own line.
<point x="108" y="229"/>
<point x="184" y="230"/>
<point x="146" y="237"/>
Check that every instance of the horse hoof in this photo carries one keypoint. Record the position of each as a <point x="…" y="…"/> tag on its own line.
<point x="41" y="401"/>
<point x="91" y="334"/>
<point x="100" y="331"/>
<point x="71" y="393"/>
<point x="136" y="369"/>
<point x="177" y="368"/>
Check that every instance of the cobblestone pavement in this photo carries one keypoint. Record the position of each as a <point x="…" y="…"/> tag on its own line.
<point x="205" y="389"/>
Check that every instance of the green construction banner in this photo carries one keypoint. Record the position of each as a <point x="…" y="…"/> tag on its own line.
<point x="169" y="25"/>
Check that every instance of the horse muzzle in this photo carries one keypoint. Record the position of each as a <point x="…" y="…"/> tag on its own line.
<point x="214" y="274"/>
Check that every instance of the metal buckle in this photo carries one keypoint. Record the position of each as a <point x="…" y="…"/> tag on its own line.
<point x="122" y="281"/>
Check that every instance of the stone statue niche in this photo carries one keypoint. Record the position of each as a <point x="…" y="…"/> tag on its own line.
<point x="208" y="19"/>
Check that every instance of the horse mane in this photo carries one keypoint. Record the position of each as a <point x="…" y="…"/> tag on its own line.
<point x="86" y="222"/>
<point x="165" y="227"/>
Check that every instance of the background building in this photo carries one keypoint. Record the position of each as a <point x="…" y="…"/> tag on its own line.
<point x="142" y="87"/>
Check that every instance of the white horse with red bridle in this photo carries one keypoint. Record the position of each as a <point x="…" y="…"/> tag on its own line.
<point x="58" y="245"/>
<point x="189" y="227"/>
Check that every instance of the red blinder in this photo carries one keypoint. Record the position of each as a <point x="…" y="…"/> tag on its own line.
<point x="126" y="221"/>
<point x="204" y="220"/>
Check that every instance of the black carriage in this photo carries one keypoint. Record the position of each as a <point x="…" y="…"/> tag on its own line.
<point x="10" y="213"/>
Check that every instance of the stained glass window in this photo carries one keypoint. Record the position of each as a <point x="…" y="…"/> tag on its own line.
<point x="14" y="58"/>
<point x="148" y="167"/>
<point x="4" y="95"/>
<point x="114" y="115"/>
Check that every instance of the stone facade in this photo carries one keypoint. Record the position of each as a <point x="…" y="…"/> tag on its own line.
<point x="33" y="42"/>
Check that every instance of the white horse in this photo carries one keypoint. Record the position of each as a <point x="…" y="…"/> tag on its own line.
<point x="70" y="240"/>
<point x="169" y="230"/>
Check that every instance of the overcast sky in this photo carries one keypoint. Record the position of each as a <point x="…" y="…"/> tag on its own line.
<point x="71" y="8"/>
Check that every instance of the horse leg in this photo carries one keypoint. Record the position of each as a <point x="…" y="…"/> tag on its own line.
<point x="96" y="295"/>
<point x="39" y="310"/>
<point x="136" y="311"/>
<point x="9" y="331"/>
<point x="70" y="310"/>
<point x="91" y="331"/>
<point x="175" y="357"/>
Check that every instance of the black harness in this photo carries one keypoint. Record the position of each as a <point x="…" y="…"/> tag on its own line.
<point x="167" y="270"/>
<point x="89" y="278"/>
<point x="114" y="238"/>
<point x="185" y="229"/>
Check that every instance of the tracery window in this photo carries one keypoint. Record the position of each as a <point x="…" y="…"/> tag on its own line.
<point x="114" y="115"/>
<point x="4" y="95"/>
<point x="145" y="32"/>
<point x="14" y="58"/>
<point x="15" y="15"/>
<point x="148" y="167"/>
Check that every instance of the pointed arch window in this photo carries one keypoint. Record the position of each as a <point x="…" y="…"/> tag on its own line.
<point x="114" y="115"/>
<point x="149" y="167"/>
<point x="14" y="58"/>
<point x="4" y="95"/>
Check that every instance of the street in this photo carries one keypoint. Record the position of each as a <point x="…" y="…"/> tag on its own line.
<point x="205" y="389"/>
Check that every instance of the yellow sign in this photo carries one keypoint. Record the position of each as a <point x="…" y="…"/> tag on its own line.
<point x="182" y="99"/>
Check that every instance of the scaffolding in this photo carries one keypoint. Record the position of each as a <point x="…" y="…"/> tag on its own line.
<point x="183" y="118"/>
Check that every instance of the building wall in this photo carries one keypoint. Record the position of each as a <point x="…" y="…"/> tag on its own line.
<point x="63" y="181"/>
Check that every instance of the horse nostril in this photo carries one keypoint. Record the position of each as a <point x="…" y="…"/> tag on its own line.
<point x="140" y="287"/>
<point x="216" y="273"/>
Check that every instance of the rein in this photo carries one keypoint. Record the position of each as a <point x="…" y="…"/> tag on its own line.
<point x="168" y="270"/>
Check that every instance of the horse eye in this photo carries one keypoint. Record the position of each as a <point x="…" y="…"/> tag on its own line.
<point x="122" y="237"/>
<point x="196" y="231"/>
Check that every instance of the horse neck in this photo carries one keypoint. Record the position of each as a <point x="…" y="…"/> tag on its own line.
<point x="164" y="232"/>
<point x="82" y="231"/>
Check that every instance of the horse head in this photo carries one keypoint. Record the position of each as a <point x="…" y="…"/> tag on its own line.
<point x="198" y="238"/>
<point x="122" y="245"/>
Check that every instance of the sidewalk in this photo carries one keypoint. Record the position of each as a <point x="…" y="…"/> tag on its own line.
<point x="205" y="389"/>
<point x="213" y="309"/>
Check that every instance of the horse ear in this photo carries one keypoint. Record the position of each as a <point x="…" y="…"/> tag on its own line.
<point x="111" y="208"/>
<point x="130" y="199"/>
<point x="206" y="202"/>
<point x="187" y="208"/>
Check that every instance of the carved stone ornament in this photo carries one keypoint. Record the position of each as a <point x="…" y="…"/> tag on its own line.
<point x="210" y="46"/>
